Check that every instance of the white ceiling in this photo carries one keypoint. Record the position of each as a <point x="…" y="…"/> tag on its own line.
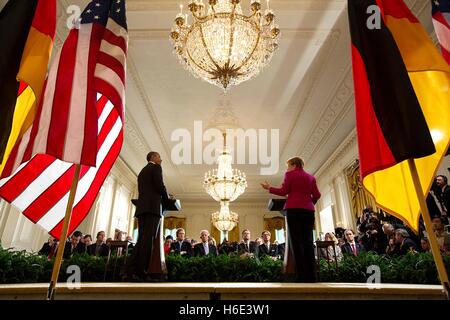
<point x="306" y="92"/>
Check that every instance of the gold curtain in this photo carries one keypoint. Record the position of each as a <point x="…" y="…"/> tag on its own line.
<point x="233" y="235"/>
<point x="272" y="224"/>
<point x="174" y="223"/>
<point x="360" y="197"/>
<point x="215" y="233"/>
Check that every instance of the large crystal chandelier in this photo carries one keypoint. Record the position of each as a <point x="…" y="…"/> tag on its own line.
<point x="222" y="45"/>
<point x="225" y="183"/>
<point x="225" y="220"/>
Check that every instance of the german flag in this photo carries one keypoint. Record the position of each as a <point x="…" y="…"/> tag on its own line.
<point x="402" y="99"/>
<point x="27" y="30"/>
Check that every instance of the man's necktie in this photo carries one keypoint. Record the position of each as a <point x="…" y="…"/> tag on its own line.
<point x="354" y="250"/>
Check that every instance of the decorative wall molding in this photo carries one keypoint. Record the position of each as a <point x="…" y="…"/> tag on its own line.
<point x="172" y="5"/>
<point x="126" y="176"/>
<point x="313" y="75"/>
<point x="329" y="116"/>
<point x="343" y="149"/>
<point x="162" y="34"/>
<point x="134" y="136"/>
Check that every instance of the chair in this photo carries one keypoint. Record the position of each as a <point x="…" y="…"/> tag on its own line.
<point x="324" y="245"/>
<point x="121" y="246"/>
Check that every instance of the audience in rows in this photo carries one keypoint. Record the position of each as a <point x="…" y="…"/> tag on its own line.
<point x="78" y="243"/>
<point x="391" y="237"/>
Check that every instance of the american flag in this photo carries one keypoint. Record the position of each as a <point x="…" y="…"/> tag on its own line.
<point x="441" y="21"/>
<point x="79" y="121"/>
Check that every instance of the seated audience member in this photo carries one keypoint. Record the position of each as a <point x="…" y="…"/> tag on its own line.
<point x="87" y="241"/>
<point x="328" y="253"/>
<point x="81" y="247"/>
<point x="389" y="230"/>
<point x="119" y="235"/>
<point x="351" y="246"/>
<point x="246" y="245"/>
<point x="73" y="247"/>
<point x="266" y="248"/>
<point x="205" y="247"/>
<point x="181" y="245"/>
<point x="403" y="244"/>
<point x="167" y="244"/>
<point x="49" y="248"/>
<point x="212" y="241"/>
<point x="99" y="248"/>
<point x="425" y="245"/>
<point x="225" y="247"/>
<point x="443" y="195"/>
<point x="341" y="241"/>
<point x="440" y="232"/>
<point x="258" y="242"/>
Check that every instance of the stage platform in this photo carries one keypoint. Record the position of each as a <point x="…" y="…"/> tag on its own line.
<point x="224" y="291"/>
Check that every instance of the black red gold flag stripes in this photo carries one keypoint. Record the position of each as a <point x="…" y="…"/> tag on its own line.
<point x="15" y="22"/>
<point x="27" y="29"/>
<point x="402" y="102"/>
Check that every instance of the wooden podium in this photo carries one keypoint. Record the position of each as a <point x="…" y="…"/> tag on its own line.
<point x="289" y="268"/>
<point x="157" y="266"/>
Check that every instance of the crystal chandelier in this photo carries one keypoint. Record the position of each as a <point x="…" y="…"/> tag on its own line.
<point x="224" y="220"/>
<point x="222" y="45"/>
<point x="224" y="183"/>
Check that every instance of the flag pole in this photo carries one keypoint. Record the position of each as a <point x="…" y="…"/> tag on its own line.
<point x="63" y="236"/>
<point x="428" y="226"/>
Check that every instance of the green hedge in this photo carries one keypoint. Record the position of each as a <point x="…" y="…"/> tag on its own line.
<point x="23" y="267"/>
<point x="418" y="268"/>
<point x="223" y="269"/>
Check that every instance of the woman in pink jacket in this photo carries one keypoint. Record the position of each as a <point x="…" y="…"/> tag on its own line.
<point x="302" y="193"/>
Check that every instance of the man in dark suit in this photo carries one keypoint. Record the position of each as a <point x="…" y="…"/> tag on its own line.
<point x="204" y="247"/>
<point x="181" y="245"/>
<point x="148" y="212"/>
<point x="351" y="246"/>
<point x="49" y="248"/>
<point x="99" y="248"/>
<point x="267" y="248"/>
<point x="403" y="244"/>
<point x="73" y="246"/>
<point x="246" y="246"/>
<point x="443" y="194"/>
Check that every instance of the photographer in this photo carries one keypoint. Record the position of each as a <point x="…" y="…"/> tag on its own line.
<point x="363" y="220"/>
<point x="374" y="238"/>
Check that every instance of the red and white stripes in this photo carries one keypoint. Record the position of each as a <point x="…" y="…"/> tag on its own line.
<point x="441" y="22"/>
<point x="79" y="121"/>
<point x="40" y="188"/>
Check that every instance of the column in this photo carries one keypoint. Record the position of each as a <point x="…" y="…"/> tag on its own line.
<point x="109" y="231"/>
<point x="5" y="208"/>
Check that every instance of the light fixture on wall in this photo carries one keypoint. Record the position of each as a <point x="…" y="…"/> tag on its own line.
<point x="222" y="45"/>
<point x="225" y="219"/>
